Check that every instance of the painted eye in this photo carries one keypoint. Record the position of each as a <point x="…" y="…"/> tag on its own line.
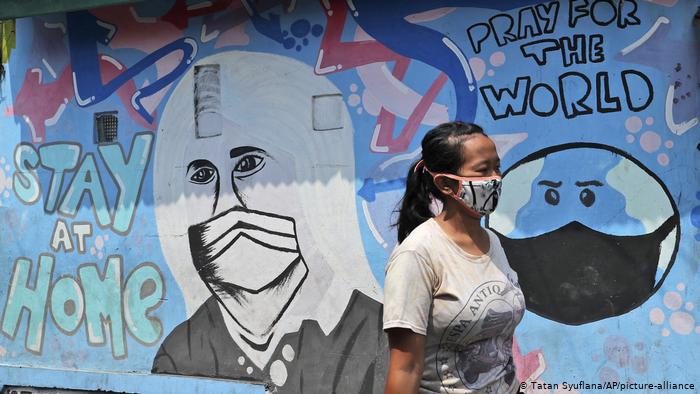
<point x="551" y="196"/>
<point x="587" y="197"/>
<point x="248" y="165"/>
<point x="203" y="175"/>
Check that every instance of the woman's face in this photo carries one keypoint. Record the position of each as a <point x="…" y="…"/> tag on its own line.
<point x="481" y="157"/>
<point x="481" y="161"/>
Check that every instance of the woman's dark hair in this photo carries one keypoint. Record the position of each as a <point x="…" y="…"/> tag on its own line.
<point x="442" y="152"/>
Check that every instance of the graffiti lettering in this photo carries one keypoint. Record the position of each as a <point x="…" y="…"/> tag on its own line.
<point x="61" y="158"/>
<point x="109" y="306"/>
<point x="604" y="12"/>
<point x="573" y="93"/>
<point x="574" y="50"/>
<point x="532" y="22"/>
<point x="61" y="236"/>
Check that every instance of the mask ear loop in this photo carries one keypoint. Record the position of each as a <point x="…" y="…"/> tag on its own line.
<point x="420" y="164"/>
<point x="470" y="211"/>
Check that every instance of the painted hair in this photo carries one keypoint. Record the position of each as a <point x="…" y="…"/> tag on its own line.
<point x="442" y="153"/>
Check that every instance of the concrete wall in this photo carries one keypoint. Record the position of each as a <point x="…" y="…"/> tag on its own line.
<point x="238" y="225"/>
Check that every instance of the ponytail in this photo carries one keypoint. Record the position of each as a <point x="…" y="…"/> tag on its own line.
<point x="415" y="205"/>
<point x="441" y="153"/>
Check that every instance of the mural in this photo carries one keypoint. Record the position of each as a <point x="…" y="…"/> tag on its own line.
<point x="606" y="233"/>
<point x="207" y="188"/>
<point x="281" y="296"/>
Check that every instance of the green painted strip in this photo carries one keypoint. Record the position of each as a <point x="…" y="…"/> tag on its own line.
<point x="20" y="8"/>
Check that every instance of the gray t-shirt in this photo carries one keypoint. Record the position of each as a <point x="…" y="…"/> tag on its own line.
<point x="467" y="307"/>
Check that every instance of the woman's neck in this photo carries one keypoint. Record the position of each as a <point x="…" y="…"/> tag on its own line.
<point x="464" y="229"/>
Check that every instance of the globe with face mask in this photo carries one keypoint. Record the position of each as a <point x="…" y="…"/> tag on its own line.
<point x="590" y="230"/>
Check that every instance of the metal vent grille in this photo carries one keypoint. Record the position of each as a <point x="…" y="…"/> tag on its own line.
<point x="106" y="127"/>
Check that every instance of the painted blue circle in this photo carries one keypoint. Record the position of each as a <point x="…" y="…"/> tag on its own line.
<point x="288" y="43"/>
<point x="305" y="41"/>
<point x="317" y="30"/>
<point x="298" y="48"/>
<point x="300" y="28"/>
<point x="695" y="217"/>
<point x="285" y="33"/>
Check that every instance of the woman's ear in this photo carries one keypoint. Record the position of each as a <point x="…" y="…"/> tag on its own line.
<point x="446" y="186"/>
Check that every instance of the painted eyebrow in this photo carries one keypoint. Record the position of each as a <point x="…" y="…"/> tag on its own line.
<point x="588" y="183"/>
<point x="242" y="150"/>
<point x="549" y="183"/>
<point x="199" y="163"/>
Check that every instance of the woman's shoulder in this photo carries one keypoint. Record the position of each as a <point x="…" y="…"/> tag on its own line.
<point x="419" y="241"/>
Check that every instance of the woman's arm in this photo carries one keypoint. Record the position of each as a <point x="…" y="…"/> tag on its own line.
<point x="406" y="357"/>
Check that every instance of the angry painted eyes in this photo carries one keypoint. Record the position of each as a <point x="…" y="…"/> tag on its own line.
<point x="553" y="197"/>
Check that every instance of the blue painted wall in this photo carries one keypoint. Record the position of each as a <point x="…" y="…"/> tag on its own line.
<point x="280" y="169"/>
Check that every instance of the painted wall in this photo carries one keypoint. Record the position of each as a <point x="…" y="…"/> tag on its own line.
<point x="238" y="226"/>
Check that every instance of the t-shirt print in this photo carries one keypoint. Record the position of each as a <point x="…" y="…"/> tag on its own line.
<point x="472" y="347"/>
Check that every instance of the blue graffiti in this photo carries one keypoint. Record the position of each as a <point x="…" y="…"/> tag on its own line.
<point x="300" y="29"/>
<point x="384" y="20"/>
<point x="369" y="189"/>
<point x="270" y="28"/>
<point x="85" y="33"/>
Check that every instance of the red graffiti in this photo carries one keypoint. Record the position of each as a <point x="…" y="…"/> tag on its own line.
<point x="180" y="13"/>
<point x="530" y="366"/>
<point x="41" y="104"/>
<point x="348" y="54"/>
<point x="130" y="29"/>
<point x="384" y="128"/>
<point x="335" y="55"/>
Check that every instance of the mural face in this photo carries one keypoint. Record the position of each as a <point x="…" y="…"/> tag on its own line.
<point x="207" y="188"/>
<point x="593" y="241"/>
<point x="250" y="210"/>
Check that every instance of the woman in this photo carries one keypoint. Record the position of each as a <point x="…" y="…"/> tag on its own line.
<point x="451" y="300"/>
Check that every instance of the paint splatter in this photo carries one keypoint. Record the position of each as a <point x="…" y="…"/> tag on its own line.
<point x="695" y="216"/>
<point x="617" y="350"/>
<point x="99" y="244"/>
<point x="297" y="35"/>
<point x="497" y="59"/>
<point x="633" y="124"/>
<point x="478" y="67"/>
<point x="656" y="316"/>
<point x="608" y="375"/>
<point x="680" y="321"/>
<point x="620" y="356"/>
<point x="650" y="141"/>
<point x="5" y="179"/>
